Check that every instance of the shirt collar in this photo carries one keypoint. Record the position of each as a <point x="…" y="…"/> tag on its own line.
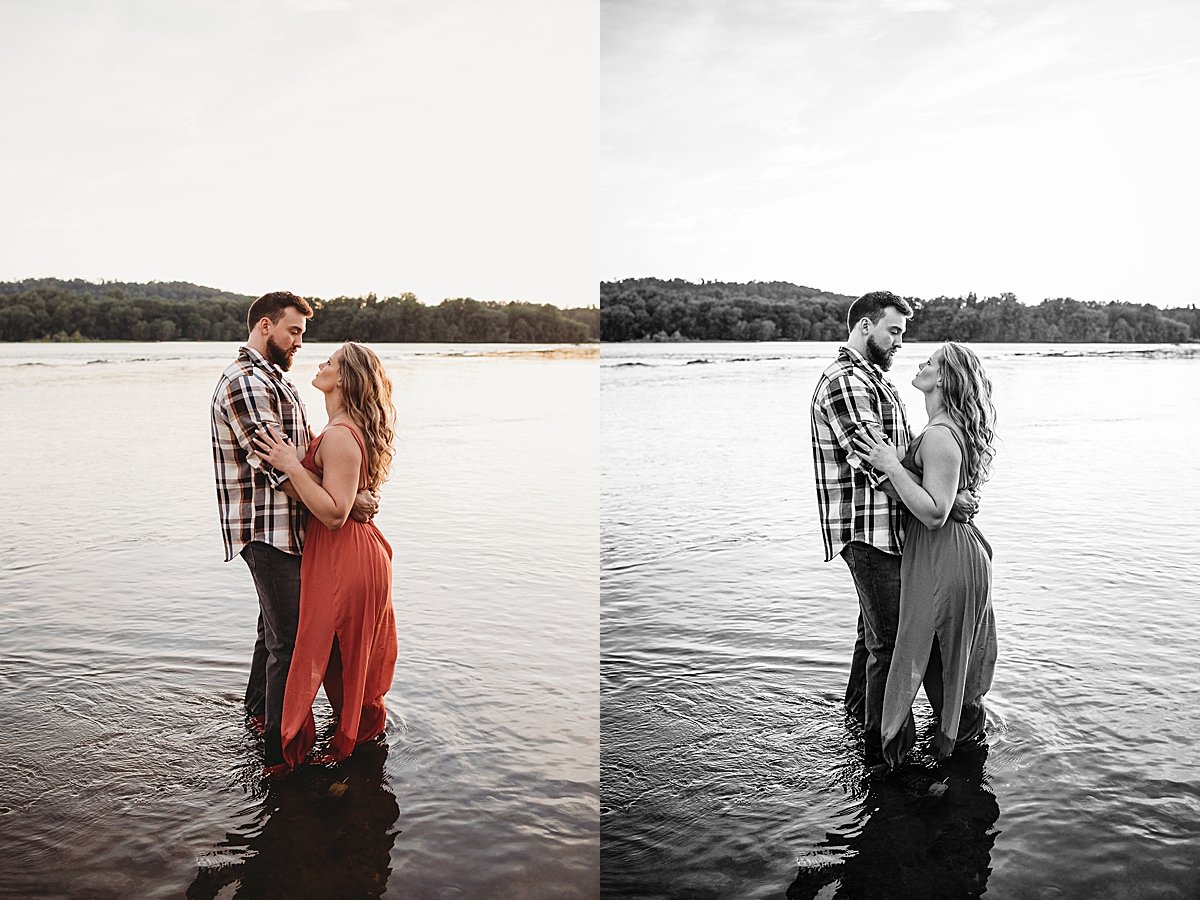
<point x="858" y="359"/>
<point x="259" y="360"/>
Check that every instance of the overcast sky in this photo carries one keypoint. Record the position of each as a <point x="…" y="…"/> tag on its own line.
<point x="443" y="147"/>
<point x="1044" y="147"/>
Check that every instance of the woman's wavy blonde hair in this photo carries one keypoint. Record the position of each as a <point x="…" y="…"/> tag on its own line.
<point x="967" y="395"/>
<point x="367" y="395"/>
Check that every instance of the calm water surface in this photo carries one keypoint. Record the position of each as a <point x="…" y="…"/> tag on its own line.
<point x="125" y="640"/>
<point x="728" y="767"/>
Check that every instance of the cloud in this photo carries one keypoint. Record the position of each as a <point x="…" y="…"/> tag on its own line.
<point x="906" y="6"/>
<point x="1055" y="133"/>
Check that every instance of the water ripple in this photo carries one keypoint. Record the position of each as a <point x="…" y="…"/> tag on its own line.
<point x="729" y="767"/>
<point x="126" y="643"/>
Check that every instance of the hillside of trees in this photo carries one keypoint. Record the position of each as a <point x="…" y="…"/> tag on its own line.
<point x="642" y="309"/>
<point x="54" y="309"/>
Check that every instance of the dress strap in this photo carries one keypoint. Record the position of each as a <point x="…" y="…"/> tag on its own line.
<point x="953" y="431"/>
<point x="962" y="448"/>
<point x="366" y="475"/>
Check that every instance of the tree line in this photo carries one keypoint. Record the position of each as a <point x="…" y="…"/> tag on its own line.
<point x="76" y="310"/>
<point x="643" y="309"/>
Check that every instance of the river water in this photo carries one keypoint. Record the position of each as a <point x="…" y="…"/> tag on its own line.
<point x="728" y="767"/>
<point x="125" y="640"/>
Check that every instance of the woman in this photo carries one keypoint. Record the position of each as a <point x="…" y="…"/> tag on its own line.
<point x="947" y="633"/>
<point x="346" y="636"/>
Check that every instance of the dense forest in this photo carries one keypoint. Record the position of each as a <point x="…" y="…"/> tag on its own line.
<point x="641" y="309"/>
<point x="53" y="309"/>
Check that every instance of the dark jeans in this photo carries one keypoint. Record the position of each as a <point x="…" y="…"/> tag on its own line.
<point x="877" y="579"/>
<point x="277" y="578"/>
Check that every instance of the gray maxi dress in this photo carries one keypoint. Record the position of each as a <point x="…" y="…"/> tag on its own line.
<point x="947" y="633"/>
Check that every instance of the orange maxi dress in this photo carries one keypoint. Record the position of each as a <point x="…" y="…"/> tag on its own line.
<point x="346" y="637"/>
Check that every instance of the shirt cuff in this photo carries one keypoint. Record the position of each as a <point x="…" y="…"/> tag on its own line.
<point x="876" y="478"/>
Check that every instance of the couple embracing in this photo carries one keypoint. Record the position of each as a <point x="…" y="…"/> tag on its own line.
<point x="899" y="512"/>
<point x="298" y="508"/>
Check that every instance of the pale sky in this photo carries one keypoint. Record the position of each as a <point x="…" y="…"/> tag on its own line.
<point x="442" y="147"/>
<point x="1044" y="147"/>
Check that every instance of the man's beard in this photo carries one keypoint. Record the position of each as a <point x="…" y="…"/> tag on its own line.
<point x="877" y="355"/>
<point x="280" y="356"/>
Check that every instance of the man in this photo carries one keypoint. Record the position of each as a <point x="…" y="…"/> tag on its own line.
<point x="861" y="518"/>
<point x="261" y="521"/>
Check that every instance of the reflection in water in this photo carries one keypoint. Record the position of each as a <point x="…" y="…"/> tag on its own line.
<point x="911" y="844"/>
<point x="319" y="833"/>
<point x="125" y="758"/>
<point x="725" y="640"/>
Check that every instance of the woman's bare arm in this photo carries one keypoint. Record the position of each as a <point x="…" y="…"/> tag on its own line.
<point x="331" y="497"/>
<point x="932" y="497"/>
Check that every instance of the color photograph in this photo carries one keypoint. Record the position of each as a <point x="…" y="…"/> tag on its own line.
<point x="299" y="330"/>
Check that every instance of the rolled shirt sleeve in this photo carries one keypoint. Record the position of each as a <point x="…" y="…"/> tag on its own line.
<point x="851" y="406"/>
<point x="852" y="506"/>
<point x="251" y="405"/>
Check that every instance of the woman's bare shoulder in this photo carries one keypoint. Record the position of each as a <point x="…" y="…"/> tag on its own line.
<point x="939" y="443"/>
<point x="338" y="443"/>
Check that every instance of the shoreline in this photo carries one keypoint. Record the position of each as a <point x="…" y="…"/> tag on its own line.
<point x="575" y="352"/>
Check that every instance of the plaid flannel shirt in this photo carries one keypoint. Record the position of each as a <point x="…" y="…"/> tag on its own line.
<point x="852" y="392"/>
<point x="251" y="393"/>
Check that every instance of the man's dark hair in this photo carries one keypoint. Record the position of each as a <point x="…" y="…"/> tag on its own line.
<point x="873" y="305"/>
<point x="272" y="306"/>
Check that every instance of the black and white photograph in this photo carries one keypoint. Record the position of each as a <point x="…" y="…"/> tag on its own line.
<point x="898" y="370"/>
